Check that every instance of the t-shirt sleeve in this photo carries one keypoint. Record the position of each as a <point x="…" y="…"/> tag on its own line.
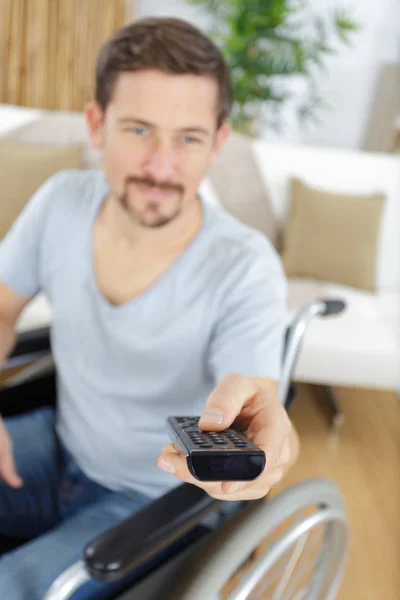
<point x="21" y="246"/>
<point x="248" y="337"/>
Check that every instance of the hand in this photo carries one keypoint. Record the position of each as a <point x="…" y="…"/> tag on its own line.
<point x="252" y="406"/>
<point x="8" y="471"/>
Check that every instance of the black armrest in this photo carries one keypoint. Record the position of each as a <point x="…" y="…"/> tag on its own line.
<point x="28" y="342"/>
<point x="123" y="548"/>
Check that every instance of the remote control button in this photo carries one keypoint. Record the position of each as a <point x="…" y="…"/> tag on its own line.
<point x="205" y="445"/>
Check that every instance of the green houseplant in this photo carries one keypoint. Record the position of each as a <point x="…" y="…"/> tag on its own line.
<point x="269" y="44"/>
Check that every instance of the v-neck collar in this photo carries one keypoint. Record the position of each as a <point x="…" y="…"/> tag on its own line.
<point x="101" y="193"/>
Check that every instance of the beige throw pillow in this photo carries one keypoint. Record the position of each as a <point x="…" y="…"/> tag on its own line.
<point x="332" y="237"/>
<point x="238" y="184"/>
<point x="23" y="169"/>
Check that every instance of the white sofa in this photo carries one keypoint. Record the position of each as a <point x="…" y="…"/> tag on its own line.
<point x="360" y="347"/>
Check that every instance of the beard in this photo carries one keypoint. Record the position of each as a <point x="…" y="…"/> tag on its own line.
<point x="152" y="214"/>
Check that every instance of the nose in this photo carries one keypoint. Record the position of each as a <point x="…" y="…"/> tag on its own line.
<point x="161" y="162"/>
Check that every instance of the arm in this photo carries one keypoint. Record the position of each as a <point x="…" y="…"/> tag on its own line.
<point x="245" y="358"/>
<point x="20" y="260"/>
<point x="11" y="306"/>
<point x="19" y="282"/>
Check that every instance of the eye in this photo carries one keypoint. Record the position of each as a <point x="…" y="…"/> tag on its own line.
<point x="140" y="131"/>
<point x="189" y="139"/>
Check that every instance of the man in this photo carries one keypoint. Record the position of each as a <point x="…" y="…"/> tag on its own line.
<point x="162" y="305"/>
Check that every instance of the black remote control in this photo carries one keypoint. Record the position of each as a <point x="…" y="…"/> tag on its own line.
<point x="216" y="455"/>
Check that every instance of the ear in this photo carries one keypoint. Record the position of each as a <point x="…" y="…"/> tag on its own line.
<point x="95" y="121"/>
<point x="220" y="138"/>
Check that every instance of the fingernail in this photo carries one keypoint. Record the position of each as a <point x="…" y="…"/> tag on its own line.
<point x="213" y="415"/>
<point x="235" y="487"/>
<point x="166" y="466"/>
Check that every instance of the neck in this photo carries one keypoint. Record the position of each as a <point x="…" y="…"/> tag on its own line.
<point x="174" y="235"/>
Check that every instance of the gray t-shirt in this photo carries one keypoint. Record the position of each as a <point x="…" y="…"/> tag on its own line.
<point x="122" y="370"/>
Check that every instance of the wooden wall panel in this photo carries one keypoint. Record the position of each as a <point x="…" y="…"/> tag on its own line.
<point x="48" y="49"/>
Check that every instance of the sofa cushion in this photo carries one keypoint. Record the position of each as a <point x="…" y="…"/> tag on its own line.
<point x="332" y="237"/>
<point x="24" y="168"/>
<point x="59" y="128"/>
<point x="237" y="182"/>
<point x="13" y="117"/>
<point x="359" y="347"/>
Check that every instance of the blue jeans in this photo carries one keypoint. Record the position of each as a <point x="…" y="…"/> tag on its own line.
<point x="59" y="509"/>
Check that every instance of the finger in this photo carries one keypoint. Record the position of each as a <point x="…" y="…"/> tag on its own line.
<point x="226" y="402"/>
<point x="177" y="466"/>
<point x="226" y="490"/>
<point x="168" y="448"/>
<point x="8" y="470"/>
<point x="244" y="490"/>
<point x="175" y="463"/>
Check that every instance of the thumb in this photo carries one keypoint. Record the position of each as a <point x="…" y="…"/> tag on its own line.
<point x="212" y="416"/>
<point x="226" y="402"/>
<point x="8" y="469"/>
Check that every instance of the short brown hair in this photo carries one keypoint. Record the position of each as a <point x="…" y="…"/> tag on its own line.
<point x="168" y="44"/>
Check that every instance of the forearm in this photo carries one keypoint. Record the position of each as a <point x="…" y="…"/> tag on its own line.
<point x="7" y="340"/>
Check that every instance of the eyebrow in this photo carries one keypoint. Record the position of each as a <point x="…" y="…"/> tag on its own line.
<point x="194" y="129"/>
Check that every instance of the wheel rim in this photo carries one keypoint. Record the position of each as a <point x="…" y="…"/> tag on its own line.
<point x="303" y="558"/>
<point x="219" y="559"/>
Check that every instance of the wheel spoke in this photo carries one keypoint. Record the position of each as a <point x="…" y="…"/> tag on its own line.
<point x="294" y="559"/>
<point x="307" y="564"/>
<point x="291" y="569"/>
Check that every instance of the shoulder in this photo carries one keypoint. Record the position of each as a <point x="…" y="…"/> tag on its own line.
<point x="71" y="193"/>
<point x="71" y="183"/>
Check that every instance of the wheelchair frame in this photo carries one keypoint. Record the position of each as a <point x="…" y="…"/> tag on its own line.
<point x="160" y="531"/>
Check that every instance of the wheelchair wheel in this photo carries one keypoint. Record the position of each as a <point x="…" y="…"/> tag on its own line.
<point x="292" y="547"/>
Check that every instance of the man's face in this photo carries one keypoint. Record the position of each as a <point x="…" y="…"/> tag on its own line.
<point x="158" y="137"/>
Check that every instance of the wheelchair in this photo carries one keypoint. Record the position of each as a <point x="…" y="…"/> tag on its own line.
<point x="189" y="546"/>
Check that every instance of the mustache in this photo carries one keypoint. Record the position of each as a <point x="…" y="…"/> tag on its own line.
<point x="164" y="185"/>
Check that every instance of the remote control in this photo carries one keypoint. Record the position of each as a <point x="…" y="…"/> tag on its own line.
<point x="216" y="455"/>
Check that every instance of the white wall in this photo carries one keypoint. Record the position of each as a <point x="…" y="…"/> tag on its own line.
<point x="350" y="83"/>
<point x="171" y="8"/>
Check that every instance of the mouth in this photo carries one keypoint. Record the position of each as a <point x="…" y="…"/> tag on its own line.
<point x="155" y="193"/>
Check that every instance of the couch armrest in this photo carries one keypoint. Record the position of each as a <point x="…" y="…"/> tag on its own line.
<point x="123" y="548"/>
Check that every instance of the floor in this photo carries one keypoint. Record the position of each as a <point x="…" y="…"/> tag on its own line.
<point x="364" y="461"/>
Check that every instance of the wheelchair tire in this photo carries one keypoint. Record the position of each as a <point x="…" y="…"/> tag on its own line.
<point x="221" y="557"/>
